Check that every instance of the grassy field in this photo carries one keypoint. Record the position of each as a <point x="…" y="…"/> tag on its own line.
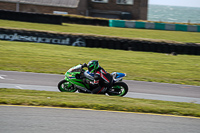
<point x="143" y="66"/>
<point x="152" y="67"/>
<point x="178" y="36"/>
<point x="97" y="102"/>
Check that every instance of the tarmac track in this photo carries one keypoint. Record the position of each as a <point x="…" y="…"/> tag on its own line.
<point x="137" y="89"/>
<point x="16" y="119"/>
<point x="20" y="119"/>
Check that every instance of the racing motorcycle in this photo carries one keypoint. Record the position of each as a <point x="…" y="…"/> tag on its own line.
<point x="74" y="77"/>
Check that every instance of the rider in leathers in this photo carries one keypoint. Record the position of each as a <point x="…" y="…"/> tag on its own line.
<point x="102" y="79"/>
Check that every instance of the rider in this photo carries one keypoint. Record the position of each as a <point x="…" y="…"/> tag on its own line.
<point x="102" y="79"/>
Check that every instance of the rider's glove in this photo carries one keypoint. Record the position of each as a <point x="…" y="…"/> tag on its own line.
<point x="84" y="65"/>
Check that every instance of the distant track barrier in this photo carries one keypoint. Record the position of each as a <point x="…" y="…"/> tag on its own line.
<point x="98" y="41"/>
<point x="58" y="19"/>
<point x="156" y="26"/>
<point x="31" y="17"/>
<point x="86" y="21"/>
<point x="41" y="37"/>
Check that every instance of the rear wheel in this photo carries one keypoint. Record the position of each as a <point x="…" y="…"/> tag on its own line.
<point x="118" y="89"/>
<point x="65" y="86"/>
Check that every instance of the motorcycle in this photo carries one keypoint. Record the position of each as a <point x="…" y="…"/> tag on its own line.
<point x="74" y="77"/>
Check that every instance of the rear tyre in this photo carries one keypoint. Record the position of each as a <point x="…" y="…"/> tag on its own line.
<point x="65" y="86"/>
<point x="118" y="89"/>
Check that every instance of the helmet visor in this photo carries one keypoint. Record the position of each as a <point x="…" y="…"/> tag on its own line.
<point x="90" y="68"/>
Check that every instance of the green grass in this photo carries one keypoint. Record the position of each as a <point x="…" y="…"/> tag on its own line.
<point x="143" y="66"/>
<point x="178" y="36"/>
<point x="97" y="102"/>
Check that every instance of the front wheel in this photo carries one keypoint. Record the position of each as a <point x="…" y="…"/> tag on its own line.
<point x="66" y="86"/>
<point x="118" y="89"/>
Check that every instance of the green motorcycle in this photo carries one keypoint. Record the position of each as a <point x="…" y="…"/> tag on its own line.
<point x="73" y="82"/>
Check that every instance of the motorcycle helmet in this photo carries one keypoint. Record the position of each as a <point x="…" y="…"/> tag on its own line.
<point x="93" y="65"/>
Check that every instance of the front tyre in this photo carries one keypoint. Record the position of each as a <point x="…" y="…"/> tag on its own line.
<point x="66" y="86"/>
<point x="118" y="89"/>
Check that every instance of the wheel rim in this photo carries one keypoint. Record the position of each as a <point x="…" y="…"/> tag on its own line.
<point x="121" y="90"/>
<point x="67" y="87"/>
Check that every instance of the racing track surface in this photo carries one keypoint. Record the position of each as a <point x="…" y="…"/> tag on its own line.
<point x="137" y="89"/>
<point x="20" y="119"/>
<point x="14" y="119"/>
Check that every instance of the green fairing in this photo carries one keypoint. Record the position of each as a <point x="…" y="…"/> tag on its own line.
<point x="71" y="77"/>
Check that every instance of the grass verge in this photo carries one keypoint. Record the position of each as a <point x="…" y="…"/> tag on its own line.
<point x="179" y="36"/>
<point x="97" y="102"/>
<point x="142" y="66"/>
